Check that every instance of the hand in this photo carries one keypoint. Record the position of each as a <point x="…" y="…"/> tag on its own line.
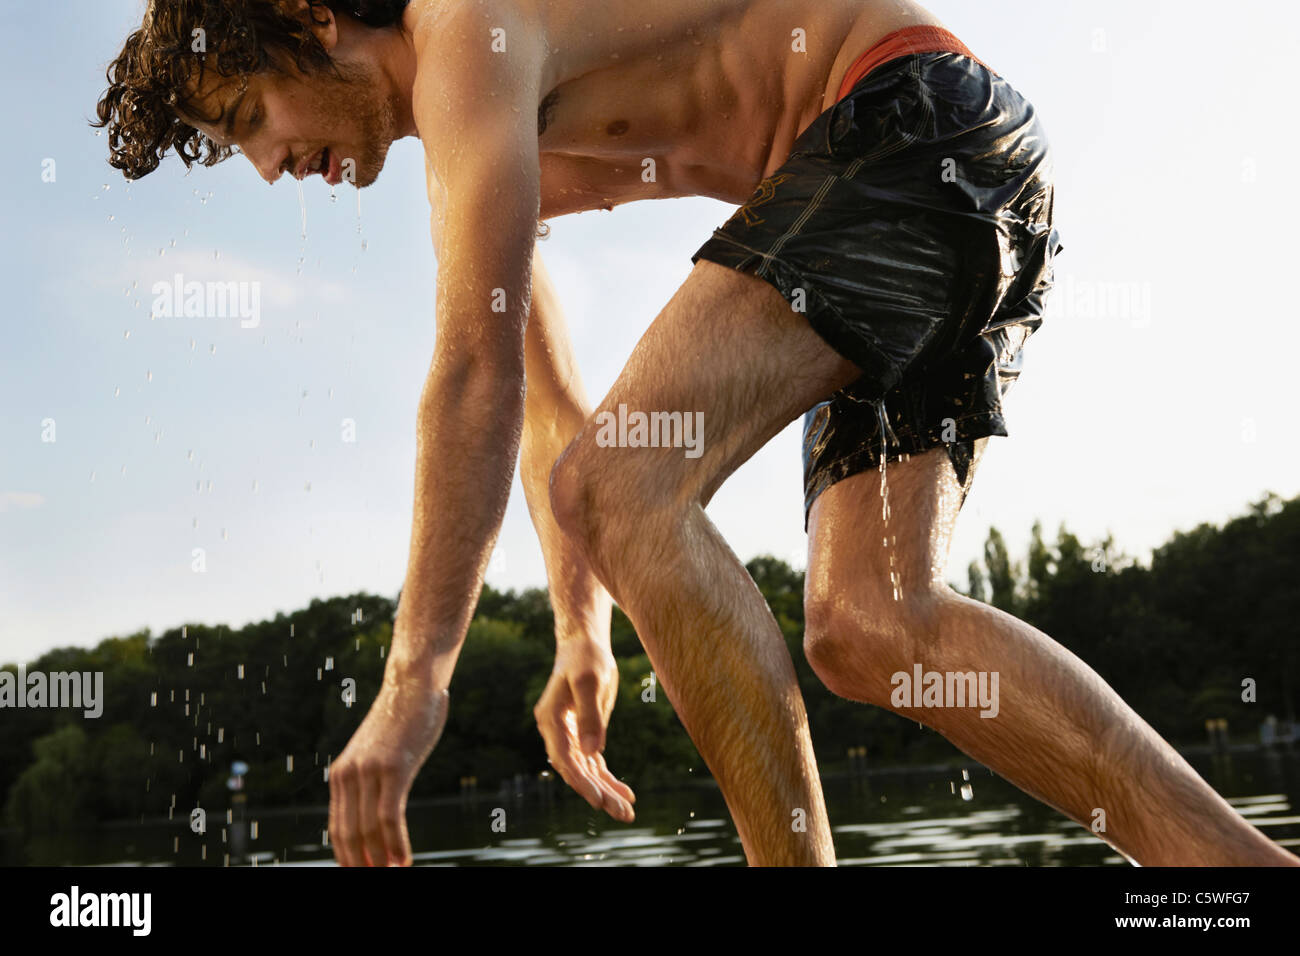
<point x="572" y="715"/>
<point x="370" y="780"/>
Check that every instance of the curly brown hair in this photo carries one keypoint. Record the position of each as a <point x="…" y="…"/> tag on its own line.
<point x="163" y="63"/>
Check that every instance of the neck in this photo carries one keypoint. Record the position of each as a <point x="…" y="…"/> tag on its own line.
<point x="393" y="52"/>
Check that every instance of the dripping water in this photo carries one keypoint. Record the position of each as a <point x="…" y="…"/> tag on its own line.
<point x="889" y="541"/>
<point x="302" y="206"/>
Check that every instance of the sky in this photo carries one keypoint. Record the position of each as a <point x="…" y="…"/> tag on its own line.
<point x="1157" y="395"/>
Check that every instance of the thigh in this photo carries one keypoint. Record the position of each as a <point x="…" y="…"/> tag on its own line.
<point x="853" y="547"/>
<point x="727" y="351"/>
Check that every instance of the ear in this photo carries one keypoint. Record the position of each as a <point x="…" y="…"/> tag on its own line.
<point x="319" y="17"/>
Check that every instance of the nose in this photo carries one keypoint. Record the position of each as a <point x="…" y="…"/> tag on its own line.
<point x="266" y="167"/>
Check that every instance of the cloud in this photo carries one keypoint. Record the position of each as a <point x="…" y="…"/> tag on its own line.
<point x="20" y="500"/>
<point x="278" y="288"/>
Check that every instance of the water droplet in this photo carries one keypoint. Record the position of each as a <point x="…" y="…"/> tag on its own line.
<point x="333" y="196"/>
<point x="967" y="792"/>
<point x="126" y="334"/>
<point x="117" y="391"/>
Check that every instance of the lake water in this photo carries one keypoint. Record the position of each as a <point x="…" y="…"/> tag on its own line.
<point x="913" y="818"/>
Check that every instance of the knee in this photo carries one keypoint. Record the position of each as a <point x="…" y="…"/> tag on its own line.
<point x="569" y="494"/>
<point x="580" y="499"/>
<point x="600" y="505"/>
<point x="856" y="639"/>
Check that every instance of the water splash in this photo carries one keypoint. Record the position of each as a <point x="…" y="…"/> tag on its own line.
<point x="889" y="541"/>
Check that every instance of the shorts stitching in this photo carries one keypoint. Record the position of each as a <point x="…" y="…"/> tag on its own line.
<point x="801" y="221"/>
<point x="908" y="139"/>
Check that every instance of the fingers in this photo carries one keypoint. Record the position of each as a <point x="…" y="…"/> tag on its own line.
<point x="619" y="797"/>
<point x="390" y="819"/>
<point x="336" y="813"/>
<point x="553" y="713"/>
<point x="345" y="824"/>
<point x="619" y="787"/>
<point x="590" y="718"/>
<point x="567" y="711"/>
<point x="393" y="821"/>
<point x="564" y="755"/>
<point x="372" y="836"/>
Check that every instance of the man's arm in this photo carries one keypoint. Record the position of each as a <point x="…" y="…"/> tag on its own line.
<point x="575" y="707"/>
<point x="478" y="124"/>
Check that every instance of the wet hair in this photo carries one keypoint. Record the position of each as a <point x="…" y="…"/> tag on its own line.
<point x="163" y="63"/>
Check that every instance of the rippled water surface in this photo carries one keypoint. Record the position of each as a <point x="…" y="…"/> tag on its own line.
<point x="908" y="819"/>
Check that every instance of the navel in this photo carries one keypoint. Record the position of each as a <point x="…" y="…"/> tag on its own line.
<point x="617" y="128"/>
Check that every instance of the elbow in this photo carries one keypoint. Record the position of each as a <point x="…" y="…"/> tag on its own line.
<point x="491" y="382"/>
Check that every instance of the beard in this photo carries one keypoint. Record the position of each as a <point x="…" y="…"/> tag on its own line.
<point x="355" y="95"/>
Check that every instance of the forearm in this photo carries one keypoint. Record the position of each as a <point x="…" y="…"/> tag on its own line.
<point x="468" y="432"/>
<point x="554" y="413"/>
<point x="579" y="601"/>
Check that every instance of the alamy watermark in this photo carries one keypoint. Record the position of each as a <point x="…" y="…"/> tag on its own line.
<point x="75" y="908"/>
<point x="946" y="689"/>
<point x="208" y="300"/>
<point x="78" y="690"/>
<point x="651" y="430"/>
<point x="1078" y="298"/>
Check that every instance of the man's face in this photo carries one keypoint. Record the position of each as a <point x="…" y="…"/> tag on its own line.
<point x="288" y="122"/>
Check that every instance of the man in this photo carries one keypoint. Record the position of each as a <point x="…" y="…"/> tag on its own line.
<point x="889" y="260"/>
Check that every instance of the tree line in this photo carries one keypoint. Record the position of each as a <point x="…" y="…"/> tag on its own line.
<point x="1176" y="638"/>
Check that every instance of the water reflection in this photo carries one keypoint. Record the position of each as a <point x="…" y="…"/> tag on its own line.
<point x="894" y="819"/>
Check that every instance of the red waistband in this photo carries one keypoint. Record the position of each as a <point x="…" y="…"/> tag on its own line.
<point x="904" y="42"/>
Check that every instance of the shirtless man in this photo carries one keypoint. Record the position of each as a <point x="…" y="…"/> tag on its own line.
<point x="890" y="258"/>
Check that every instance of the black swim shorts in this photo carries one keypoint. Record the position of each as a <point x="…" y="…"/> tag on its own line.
<point x="912" y="226"/>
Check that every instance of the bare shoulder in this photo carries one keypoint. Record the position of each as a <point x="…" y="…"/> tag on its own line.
<point x="470" y="53"/>
<point x="479" y="66"/>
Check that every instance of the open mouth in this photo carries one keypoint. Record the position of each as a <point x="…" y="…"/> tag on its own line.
<point x="325" y="163"/>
